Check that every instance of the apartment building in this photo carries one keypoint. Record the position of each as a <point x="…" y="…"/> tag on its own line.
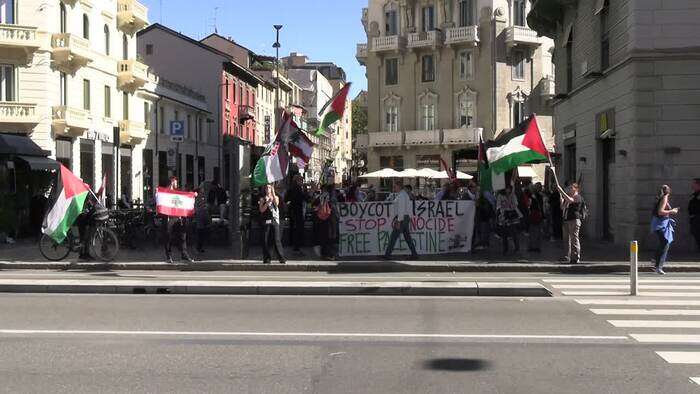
<point x="627" y="109"/>
<point x="69" y="73"/>
<point x="440" y="71"/>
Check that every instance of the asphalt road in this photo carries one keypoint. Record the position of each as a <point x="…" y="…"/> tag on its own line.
<point x="237" y="344"/>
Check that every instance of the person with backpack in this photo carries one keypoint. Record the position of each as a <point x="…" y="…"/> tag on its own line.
<point x="269" y="207"/>
<point x="575" y="211"/>
<point x="662" y="225"/>
<point x="508" y="217"/>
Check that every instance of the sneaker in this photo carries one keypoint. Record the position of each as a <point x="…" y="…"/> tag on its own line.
<point x="660" y="271"/>
<point x="266" y="261"/>
<point x="187" y="258"/>
<point x="283" y="261"/>
<point x="564" y="259"/>
<point x="169" y="260"/>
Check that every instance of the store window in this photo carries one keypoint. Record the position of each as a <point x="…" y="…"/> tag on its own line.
<point x="162" y="169"/>
<point x="87" y="162"/>
<point x="125" y="173"/>
<point x="108" y="169"/>
<point x="147" y="175"/>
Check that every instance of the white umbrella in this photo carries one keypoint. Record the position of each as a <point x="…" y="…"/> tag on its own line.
<point x="427" y="173"/>
<point x="460" y="175"/>
<point x="409" y="173"/>
<point x="383" y="173"/>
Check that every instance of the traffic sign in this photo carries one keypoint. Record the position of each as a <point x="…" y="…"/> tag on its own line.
<point x="177" y="131"/>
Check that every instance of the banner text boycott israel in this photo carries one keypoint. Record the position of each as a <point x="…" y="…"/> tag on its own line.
<point x="437" y="227"/>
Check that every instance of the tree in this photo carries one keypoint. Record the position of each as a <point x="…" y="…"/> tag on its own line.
<point x="359" y="119"/>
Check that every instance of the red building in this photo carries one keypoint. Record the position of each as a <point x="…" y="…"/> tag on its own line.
<point x="238" y="89"/>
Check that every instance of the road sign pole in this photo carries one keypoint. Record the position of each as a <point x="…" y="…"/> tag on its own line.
<point x="634" y="247"/>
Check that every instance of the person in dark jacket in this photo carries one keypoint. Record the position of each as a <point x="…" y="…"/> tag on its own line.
<point x="201" y="217"/>
<point x="694" y="211"/>
<point x="296" y="200"/>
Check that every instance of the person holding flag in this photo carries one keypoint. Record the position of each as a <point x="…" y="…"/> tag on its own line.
<point x="175" y="205"/>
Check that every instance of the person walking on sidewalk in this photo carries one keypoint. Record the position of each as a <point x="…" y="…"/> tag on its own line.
<point x="573" y="207"/>
<point x="508" y="217"/>
<point x="269" y="207"/>
<point x="175" y="232"/>
<point x="201" y="218"/>
<point x="296" y="200"/>
<point x="662" y="226"/>
<point x="694" y="211"/>
<point x="403" y="209"/>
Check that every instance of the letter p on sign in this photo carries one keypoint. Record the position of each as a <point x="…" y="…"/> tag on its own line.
<point x="177" y="131"/>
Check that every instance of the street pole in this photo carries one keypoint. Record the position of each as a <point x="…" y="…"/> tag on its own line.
<point x="633" y="268"/>
<point x="277" y="46"/>
<point x="235" y="197"/>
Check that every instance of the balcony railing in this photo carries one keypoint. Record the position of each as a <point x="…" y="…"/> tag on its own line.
<point x="69" y="51"/>
<point x="423" y="137"/>
<point x="388" y="43"/>
<point x="361" y="53"/>
<point x="463" y="35"/>
<point x="521" y="35"/>
<point x="462" y="136"/>
<point x="18" y="42"/>
<point x="245" y="113"/>
<point x="69" y="121"/>
<point x="425" y="39"/>
<point x="547" y="87"/>
<point x="131" y="75"/>
<point x="15" y="113"/>
<point x="132" y="16"/>
<point x="132" y="132"/>
<point x="386" y="138"/>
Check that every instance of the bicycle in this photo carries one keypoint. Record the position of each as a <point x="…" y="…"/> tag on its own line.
<point x="103" y="243"/>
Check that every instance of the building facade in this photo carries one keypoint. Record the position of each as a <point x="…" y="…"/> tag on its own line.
<point x="627" y="113"/>
<point x="439" y="72"/>
<point x="69" y="73"/>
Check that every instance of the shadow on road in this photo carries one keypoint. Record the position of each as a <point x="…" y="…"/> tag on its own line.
<point x="457" y="364"/>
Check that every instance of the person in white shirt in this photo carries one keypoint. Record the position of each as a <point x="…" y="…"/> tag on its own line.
<point x="403" y="209"/>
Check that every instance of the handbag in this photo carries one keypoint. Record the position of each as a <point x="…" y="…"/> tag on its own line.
<point x="324" y="211"/>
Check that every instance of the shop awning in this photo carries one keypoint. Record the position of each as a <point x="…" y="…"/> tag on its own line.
<point x="40" y="163"/>
<point x="13" y="144"/>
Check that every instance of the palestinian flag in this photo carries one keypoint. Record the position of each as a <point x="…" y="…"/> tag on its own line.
<point x="523" y="144"/>
<point x="71" y="195"/>
<point x="301" y="146"/>
<point x="483" y="164"/>
<point x="333" y="110"/>
<point x="272" y="166"/>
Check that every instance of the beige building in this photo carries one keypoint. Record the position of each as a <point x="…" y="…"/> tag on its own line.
<point x="627" y="110"/>
<point x="440" y="70"/>
<point x="69" y="74"/>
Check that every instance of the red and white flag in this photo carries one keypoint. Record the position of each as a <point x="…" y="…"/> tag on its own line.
<point x="174" y="202"/>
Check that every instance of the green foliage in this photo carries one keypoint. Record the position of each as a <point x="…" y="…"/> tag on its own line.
<point x="359" y="119"/>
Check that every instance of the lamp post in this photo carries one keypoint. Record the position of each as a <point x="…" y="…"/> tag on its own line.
<point x="277" y="46"/>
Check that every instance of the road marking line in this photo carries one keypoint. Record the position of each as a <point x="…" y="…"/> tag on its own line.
<point x="646" y="293"/>
<point x="680" y="357"/>
<point x="603" y="280"/>
<point x="594" y="293"/>
<point x="623" y="301"/>
<point x="657" y="312"/>
<point x="695" y="380"/>
<point x="655" y="323"/>
<point x="666" y="338"/>
<point x="622" y="287"/>
<point x="309" y="334"/>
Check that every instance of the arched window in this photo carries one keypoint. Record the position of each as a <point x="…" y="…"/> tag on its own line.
<point x="427" y="119"/>
<point x="86" y="27"/>
<point x="106" y="40"/>
<point x="466" y="108"/>
<point x="392" y="104"/>
<point x="125" y="47"/>
<point x="63" y="21"/>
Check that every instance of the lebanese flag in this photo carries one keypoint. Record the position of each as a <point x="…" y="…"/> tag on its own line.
<point x="175" y="203"/>
<point x="525" y="146"/>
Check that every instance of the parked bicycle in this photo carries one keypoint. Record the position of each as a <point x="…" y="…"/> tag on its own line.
<point x="102" y="242"/>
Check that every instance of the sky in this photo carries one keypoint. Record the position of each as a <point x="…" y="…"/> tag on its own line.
<point x="323" y="30"/>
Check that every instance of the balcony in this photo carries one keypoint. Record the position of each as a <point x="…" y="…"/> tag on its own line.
<point x="429" y="39"/>
<point x="245" y="113"/>
<point x="547" y="87"/>
<point x="131" y="75"/>
<point x="386" y="138"/>
<point x="16" y="116"/>
<point x="388" y="43"/>
<point x="70" y="52"/>
<point x="466" y="35"/>
<point x="521" y="36"/>
<point x="462" y="136"/>
<point x="361" y="54"/>
<point x="362" y="141"/>
<point x="69" y="121"/>
<point x="422" y="137"/>
<point x="131" y="132"/>
<point x="18" y="43"/>
<point x="132" y="16"/>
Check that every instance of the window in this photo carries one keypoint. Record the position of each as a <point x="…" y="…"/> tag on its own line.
<point x="177" y="114"/>
<point x="108" y="102"/>
<point x="466" y="65"/>
<point x="147" y="115"/>
<point x="604" y="37"/>
<point x="7" y="11"/>
<point x="161" y="120"/>
<point x="63" y="86"/>
<point x="125" y="47"/>
<point x="149" y="49"/>
<point x="226" y="88"/>
<point x="570" y="161"/>
<point x="392" y="71"/>
<point x="466" y="111"/>
<point x="429" y="117"/>
<point x="147" y="160"/>
<point x="106" y="40"/>
<point x="125" y="105"/>
<point x="518" y="65"/>
<point x="189" y="171"/>
<point x="86" y="27"/>
<point x="391" y="20"/>
<point x="428" y="18"/>
<point x="392" y="117"/>
<point x="199" y="129"/>
<point x="188" y="130"/>
<point x="201" y="170"/>
<point x="519" y="15"/>
<point x="518" y="113"/>
<point x="467" y="13"/>
<point x="570" y="62"/>
<point x="7" y="83"/>
<point x="428" y="68"/>
<point x="86" y="94"/>
<point x="87" y="162"/>
<point x="62" y="16"/>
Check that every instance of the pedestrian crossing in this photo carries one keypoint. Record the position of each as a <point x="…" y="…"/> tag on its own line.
<point x="664" y="315"/>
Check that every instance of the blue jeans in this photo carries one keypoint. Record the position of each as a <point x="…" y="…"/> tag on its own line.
<point x="662" y="250"/>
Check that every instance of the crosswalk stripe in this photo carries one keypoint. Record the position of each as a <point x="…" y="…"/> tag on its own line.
<point x="657" y="312"/>
<point x="638" y="302"/>
<point x="666" y="338"/>
<point x="646" y="293"/>
<point x="603" y="280"/>
<point x="695" y="380"/>
<point x="680" y="357"/>
<point x="655" y="323"/>
<point x="595" y="293"/>
<point x="622" y="287"/>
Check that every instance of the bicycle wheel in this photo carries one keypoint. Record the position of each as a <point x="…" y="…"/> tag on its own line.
<point x="54" y="251"/>
<point x="105" y="244"/>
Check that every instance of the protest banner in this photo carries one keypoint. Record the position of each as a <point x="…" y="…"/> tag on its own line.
<point x="437" y="227"/>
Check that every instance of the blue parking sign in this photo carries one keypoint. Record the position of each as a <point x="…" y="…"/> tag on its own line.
<point x="177" y="130"/>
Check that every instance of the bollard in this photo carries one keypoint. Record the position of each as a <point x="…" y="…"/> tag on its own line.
<point x="633" y="267"/>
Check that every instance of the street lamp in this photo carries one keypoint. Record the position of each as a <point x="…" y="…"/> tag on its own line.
<point x="277" y="46"/>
